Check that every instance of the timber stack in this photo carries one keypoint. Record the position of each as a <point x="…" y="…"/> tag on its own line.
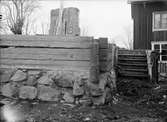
<point x="132" y="63"/>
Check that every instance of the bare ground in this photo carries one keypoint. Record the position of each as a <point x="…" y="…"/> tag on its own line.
<point x="122" y="111"/>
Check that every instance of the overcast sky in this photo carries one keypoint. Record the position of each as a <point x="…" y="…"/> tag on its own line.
<point x="98" y="18"/>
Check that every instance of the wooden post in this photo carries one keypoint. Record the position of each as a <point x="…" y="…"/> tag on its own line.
<point x="154" y="61"/>
<point x="94" y="72"/>
<point x="103" y="54"/>
<point x="111" y="57"/>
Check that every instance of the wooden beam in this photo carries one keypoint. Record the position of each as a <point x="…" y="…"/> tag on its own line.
<point x="46" y="41"/>
<point x="94" y="72"/>
<point x="44" y="67"/>
<point x="47" y="62"/>
<point x="46" y="54"/>
<point x="45" y="38"/>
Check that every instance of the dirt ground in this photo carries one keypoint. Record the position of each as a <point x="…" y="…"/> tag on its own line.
<point x="134" y="102"/>
<point x="121" y="111"/>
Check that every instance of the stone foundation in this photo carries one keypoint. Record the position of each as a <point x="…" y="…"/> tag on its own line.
<point x="56" y="86"/>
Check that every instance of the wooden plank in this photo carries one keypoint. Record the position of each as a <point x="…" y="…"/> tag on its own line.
<point x="136" y="70"/>
<point x="45" y="38"/>
<point x="133" y="72"/>
<point x="132" y="59"/>
<point x="44" y="67"/>
<point x="136" y="65"/>
<point x="129" y="74"/>
<point x="46" y="54"/>
<point x="48" y="62"/>
<point x="51" y="44"/>
<point x="46" y="41"/>
<point x="131" y="52"/>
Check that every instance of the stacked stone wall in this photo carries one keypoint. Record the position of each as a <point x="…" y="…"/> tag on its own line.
<point x="53" y="86"/>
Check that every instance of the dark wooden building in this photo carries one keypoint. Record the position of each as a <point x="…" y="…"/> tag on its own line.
<point x="150" y="27"/>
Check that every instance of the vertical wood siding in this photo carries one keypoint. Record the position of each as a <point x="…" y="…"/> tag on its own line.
<point x="142" y="16"/>
<point x="163" y="67"/>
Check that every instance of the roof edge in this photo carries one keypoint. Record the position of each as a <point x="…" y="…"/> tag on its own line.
<point x="132" y="1"/>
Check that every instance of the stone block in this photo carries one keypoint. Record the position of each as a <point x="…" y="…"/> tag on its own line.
<point x="95" y="90"/>
<point x="19" y="76"/>
<point x="45" y="80"/>
<point x="27" y="92"/>
<point x="31" y="81"/>
<point x="6" y="75"/>
<point x="107" y="79"/>
<point x="65" y="83"/>
<point x="46" y="93"/>
<point x="100" y="100"/>
<point x="9" y="89"/>
<point x="77" y="89"/>
<point x="65" y="80"/>
<point x="68" y="97"/>
<point x="102" y="81"/>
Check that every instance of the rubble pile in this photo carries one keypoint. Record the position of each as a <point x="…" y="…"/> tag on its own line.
<point x="144" y="94"/>
<point x="55" y="86"/>
<point x="134" y="88"/>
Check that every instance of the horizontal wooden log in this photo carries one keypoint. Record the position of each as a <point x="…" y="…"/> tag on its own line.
<point x="45" y="38"/>
<point x="51" y="44"/>
<point x="46" y="41"/>
<point x="44" y="67"/>
<point x="130" y="74"/>
<point x="48" y="62"/>
<point x="130" y="52"/>
<point x="46" y="54"/>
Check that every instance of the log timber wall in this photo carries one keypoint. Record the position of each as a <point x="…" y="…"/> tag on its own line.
<point x="50" y="53"/>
